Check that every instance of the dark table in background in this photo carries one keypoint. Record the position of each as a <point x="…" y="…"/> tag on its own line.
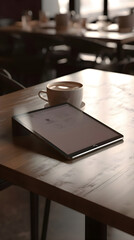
<point x="48" y="30"/>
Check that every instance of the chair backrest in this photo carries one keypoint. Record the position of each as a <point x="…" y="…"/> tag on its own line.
<point x="7" y="84"/>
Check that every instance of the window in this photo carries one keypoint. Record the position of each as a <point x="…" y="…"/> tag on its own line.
<point x="63" y="5"/>
<point x="88" y="7"/>
<point x="118" y="4"/>
<point x="52" y="7"/>
<point x="91" y="6"/>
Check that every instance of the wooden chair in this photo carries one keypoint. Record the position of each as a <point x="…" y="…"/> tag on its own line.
<point x="8" y="85"/>
<point x="94" y="47"/>
<point x="22" y="59"/>
<point x="85" y="53"/>
<point x="128" y="51"/>
<point x="31" y="58"/>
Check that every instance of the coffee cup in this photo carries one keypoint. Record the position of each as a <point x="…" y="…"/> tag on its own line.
<point x="63" y="92"/>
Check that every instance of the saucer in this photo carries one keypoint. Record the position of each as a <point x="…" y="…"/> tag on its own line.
<point x="81" y="106"/>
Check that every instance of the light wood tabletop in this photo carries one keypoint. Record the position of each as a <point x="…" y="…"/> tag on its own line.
<point x="99" y="185"/>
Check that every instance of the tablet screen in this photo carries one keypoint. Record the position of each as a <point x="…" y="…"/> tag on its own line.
<point x="68" y="129"/>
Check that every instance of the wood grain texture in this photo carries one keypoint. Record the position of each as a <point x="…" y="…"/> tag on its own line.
<point x="99" y="185"/>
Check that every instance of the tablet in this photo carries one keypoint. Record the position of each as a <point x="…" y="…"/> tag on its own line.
<point x="69" y="130"/>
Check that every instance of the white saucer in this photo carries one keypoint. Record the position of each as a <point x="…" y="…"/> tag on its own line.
<point x="81" y="107"/>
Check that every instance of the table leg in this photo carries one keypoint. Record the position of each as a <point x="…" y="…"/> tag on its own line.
<point x="45" y="219"/>
<point x="34" y="209"/>
<point x="119" y="52"/>
<point x="95" y="230"/>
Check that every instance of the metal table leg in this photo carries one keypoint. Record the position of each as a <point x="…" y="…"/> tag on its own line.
<point x="95" y="230"/>
<point x="45" y="219"/>
<point x="119" y="52"/>
<point x="34" y="211"/>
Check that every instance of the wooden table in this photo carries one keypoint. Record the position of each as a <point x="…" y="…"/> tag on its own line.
<point x="99" y="185"/>
<point x="49" y="30"/>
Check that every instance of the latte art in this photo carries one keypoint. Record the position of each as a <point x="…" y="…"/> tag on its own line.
<point x="64" y="87"/>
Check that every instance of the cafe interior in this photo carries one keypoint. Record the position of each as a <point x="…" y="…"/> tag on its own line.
<point x="44" y="40"/>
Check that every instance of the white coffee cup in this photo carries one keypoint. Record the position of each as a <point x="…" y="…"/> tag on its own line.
<point x="62" y="92"/>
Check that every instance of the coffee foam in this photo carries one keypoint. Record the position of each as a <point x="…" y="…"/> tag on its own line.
<point x="64" y="86"/>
